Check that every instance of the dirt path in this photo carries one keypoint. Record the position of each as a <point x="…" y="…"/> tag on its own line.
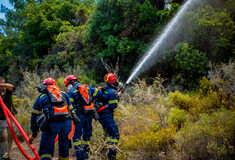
<point x="15" y="153"/>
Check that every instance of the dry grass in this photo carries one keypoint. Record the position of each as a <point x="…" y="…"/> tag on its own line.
<point x="151" y="125"/>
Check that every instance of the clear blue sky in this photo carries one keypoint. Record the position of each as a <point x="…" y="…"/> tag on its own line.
<point x="6" y="4"/>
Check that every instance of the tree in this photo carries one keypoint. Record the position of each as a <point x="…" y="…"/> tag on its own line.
<point x="212" y="32"/>
<point x="189" y="64"/>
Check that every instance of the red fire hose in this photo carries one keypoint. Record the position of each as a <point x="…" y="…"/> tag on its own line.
<point x="7" y="113"/>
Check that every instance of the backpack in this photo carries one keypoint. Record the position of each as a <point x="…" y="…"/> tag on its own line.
<point x="86" y="99"/>
<point x="60" y="110"/>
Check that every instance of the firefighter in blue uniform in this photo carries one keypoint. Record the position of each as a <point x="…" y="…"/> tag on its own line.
<point x="106" y="109"/>
<point x="54" y="127"/>
<point x="84" y="128"/>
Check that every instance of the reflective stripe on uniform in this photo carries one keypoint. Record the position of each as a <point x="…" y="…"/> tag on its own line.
<point x="71" y="99"/>
<point x="113" y="101"/>
<point x="113" y="140"/>
<point x="42" y="95"/>
<point x="36" y="111"/>
<point x="105" y="92"/>
<point x="75" y="91"/>
<point x="62" y="158"/>
<point x="62" y="92"/>
<point x="95" y="93"/>
<point x="46" y="156"/>
<point x="86" y="142"/>
<point x="77" y="143"/>
<point x="71" y="107"/>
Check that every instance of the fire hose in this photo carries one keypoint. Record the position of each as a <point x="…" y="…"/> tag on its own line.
<point x="7" y="113"/>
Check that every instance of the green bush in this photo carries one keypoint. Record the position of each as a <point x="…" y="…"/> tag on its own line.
<point x="211" y="137"/>
<point x="212" y="32"/>
<point x="149" y="143"/>
<point x="201" y="102"/>
<point x="190" y="103"/>
<point x="212" y="97"/>
<point x="190" y="64"/>
<point x="177" y="117"/>
<point x="222" y="77"/>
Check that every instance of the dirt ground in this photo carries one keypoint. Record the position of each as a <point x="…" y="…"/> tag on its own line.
<point x="16" y="154"/>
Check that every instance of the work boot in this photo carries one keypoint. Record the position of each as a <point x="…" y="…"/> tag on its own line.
<point x="86" y="151"/>
<point x="112" y="158"/>
<point x="112" y="154"/>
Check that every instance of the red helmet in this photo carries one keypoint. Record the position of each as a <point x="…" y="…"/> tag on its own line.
<point x="68" y="79"/>
<point x="110" y="78"/>
<point x="49" y="81"/>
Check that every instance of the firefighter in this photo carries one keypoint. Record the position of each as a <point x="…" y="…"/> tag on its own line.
<point x="82" y="102"/>
<point x="105" y="108"/>
<point x="6" y="90"/>
<point x="51" y="113"/>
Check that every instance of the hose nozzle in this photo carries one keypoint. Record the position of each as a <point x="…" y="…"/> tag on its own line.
<point x="121" y="90"/>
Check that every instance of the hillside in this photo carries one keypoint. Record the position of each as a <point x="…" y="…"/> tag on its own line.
<point x="180" y="105"/>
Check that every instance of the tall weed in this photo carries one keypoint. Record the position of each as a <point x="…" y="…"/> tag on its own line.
<point x="143" y="121"/>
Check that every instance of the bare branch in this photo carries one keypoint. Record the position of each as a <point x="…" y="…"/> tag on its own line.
<point x="109" y="67"/>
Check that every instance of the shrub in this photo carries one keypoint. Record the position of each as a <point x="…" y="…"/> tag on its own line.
<point x="23" y="113"/>
<point x="177" y="117"/>
<point x="150" y="144"/>
<point x="223" y="77"/>
<point x="190" y="64"/>
<point x="212" y="32"/>
<point x="99" y="143"/>
<point x="150" y="99"/>
<point x="190" y="103"/>
<point x="142" y="121"/>
<point x="211" y="137"/>
<point x="201" y="102"/>
<point x="217" y="91"/>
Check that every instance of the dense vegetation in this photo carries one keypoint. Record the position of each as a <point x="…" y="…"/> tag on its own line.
<point x="39" y="35"/>
<point x="187" y="113"/>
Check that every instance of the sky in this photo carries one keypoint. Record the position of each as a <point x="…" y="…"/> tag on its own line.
<point x="6" y="4"/>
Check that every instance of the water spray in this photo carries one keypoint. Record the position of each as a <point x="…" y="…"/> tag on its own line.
<point x="154" y="50"/>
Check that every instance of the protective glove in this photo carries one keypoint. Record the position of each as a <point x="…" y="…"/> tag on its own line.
<point x="95" y="115"/>
<point x="103" y="108"/>
<point x="31" y="138"/>
<point x="119" y="95"/>
<point x="98" y="105"/>
<point x="75" y="118"/>
<point x="120" y="84"/>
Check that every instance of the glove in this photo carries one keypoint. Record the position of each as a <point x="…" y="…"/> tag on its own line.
<point x="42" y="88"/>
<point x="96" y="115"/>
<point x="31" y="138"/>
<point x="119" y="94"/>
<point x="120" y="84"/>
<point x="75" y="118"/>
<point x="98" y="105"/>
<point x="103" y="108"/>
